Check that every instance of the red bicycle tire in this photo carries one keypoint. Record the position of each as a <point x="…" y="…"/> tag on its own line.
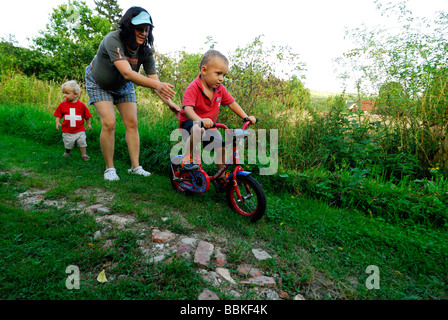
<point x="249" y="188"/>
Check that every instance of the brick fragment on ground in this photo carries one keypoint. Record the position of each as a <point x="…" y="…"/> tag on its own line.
<point x="208" y="295"/>
<point x="261" y="254"/>
<point x="225" y="274"/>
<point x="249" y="270"/>
<point x="184" y="251"/>
<point x="220" y="258"/>
<point x="260" y="281"/>
<point x="162" y="236"/>
<point x="203" y="253"/>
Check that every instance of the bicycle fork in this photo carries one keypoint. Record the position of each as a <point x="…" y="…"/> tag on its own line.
<point x="237" y="189"/>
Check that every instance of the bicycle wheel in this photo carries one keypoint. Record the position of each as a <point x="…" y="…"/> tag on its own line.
<point x="176" y="176"/>
<point x="254" y="198"/>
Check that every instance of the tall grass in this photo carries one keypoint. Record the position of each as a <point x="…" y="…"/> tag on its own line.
<point x="17" y="88"/>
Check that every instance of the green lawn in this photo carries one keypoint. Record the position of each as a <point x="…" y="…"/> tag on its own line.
<point x="319" y="251"/>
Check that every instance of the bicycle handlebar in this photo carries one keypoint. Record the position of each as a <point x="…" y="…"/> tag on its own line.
<point x="223" y="126"/>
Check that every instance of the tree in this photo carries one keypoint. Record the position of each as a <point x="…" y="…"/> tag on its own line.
<point x="408" y="54"/>
<point x="71" y="39"/>
<point x="435" y="99"/>
<point x="260" y="74"/>
<point x="408" y="65"/>
<point x="110" y="10"/>
<point x="392" y="99"/>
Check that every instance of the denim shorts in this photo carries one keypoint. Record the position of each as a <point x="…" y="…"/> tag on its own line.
<point x="97" y="94"/>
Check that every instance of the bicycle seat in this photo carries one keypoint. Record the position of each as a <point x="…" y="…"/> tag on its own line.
<point x="240" y="133"/>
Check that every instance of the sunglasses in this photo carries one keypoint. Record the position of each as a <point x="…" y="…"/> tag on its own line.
<point x="141" y="29"/>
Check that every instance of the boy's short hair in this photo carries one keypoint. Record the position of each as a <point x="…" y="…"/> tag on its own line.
<point x="72" y="85"/>
<point x="210" y="55"/>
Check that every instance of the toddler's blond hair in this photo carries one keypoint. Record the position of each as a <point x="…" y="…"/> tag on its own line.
<point x="72" y="85"/>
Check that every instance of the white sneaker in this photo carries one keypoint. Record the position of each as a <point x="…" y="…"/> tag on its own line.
<point x="139" y="171"/>
<point x="111" y="175"/>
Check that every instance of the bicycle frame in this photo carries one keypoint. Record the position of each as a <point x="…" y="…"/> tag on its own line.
<point x="236" y="160"/>
<point x="238" y="170"/>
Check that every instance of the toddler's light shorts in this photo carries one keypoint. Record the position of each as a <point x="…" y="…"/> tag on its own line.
<point x="71" y="138"/>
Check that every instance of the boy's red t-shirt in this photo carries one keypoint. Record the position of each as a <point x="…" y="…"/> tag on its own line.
<point x="195" y="96"/>
<point x="73" y="115"/>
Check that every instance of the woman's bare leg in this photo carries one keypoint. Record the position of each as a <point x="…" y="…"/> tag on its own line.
<point x="106" y="112"/>
<point x="128" y="113"/>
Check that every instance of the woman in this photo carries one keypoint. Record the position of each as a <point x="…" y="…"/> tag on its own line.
<point x="110" y="79"/>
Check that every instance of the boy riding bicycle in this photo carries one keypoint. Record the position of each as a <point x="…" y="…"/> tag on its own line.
<point x="201" y="103"/>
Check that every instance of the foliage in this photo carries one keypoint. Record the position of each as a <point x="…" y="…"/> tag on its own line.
<point x="179" y="69"/>
<point x="405" y="69"/>
<point x="257" y="76"/>
<point x="71" y="40"/>
<point x="30" y="62"/>
<point x="110" y="10"/>
<point x="8" y="56"/>
<point x="392" y="99"/>
<point x="18" y="88"/>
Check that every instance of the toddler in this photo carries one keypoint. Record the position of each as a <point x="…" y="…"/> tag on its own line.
<point x="73" y="112"/>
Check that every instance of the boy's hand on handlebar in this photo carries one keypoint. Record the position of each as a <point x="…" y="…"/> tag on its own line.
<point x="207" y="123"/>
<point x="252" y="119"/>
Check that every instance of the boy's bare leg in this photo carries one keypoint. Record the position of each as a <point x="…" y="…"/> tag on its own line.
<point x="84" y="155"/>
<point x="193" y="139"/>
<point x="190" y="144"/>
<point x="67" y="153"/>
<point x="221" y="159"/>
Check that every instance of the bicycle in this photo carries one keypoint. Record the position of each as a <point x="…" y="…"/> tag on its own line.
<point x="244" y="193"/>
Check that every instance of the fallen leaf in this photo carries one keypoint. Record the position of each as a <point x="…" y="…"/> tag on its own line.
<point x="102" y="277"/>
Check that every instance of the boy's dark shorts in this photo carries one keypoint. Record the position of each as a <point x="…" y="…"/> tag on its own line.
<point x="211" y="137"/>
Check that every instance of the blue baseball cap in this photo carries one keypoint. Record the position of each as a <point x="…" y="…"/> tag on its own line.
<point x="142" y="18"/>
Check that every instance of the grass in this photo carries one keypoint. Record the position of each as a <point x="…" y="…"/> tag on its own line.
<point x="320" y="251"/>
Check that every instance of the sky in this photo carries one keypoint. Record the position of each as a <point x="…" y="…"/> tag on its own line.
<point x="313" y="29"/>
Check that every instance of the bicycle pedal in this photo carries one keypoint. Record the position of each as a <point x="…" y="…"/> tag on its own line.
<point x="219" y="188"/>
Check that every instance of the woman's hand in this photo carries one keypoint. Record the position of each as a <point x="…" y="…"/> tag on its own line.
<point x="173" y="107"/>
<point x="166" y="90"/>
